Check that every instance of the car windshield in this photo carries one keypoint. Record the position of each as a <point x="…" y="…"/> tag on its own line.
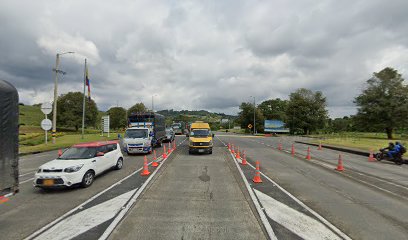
<point x="200" y="133"/>
<point x="78" y="153"/>
<point x="136" y="133"/>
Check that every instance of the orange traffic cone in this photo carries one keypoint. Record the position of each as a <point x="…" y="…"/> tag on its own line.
<point x="3" y="199"/>
<point x="232" y="149"/>
<point x="293" y="150"/>
<point x="145" y="171"/>
<point x="164" y="152"/>
<point x="169" y="149"/>
<point x="243" y="162"/>
<point x="155" y="163"/>
<point x="257" y="177"/>
<point x="308" y="157"/>
<point x="340" y="164"/>
<point x="59" y="152"/>
<point x="320" y="146"/>
<point x="371" y="156"/>
<point x="280" y="146"/>
<point x="229" y="146"/>
<point x="238" y="156"/>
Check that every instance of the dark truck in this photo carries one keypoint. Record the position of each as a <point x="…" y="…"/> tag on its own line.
<point x="9" y="115"/>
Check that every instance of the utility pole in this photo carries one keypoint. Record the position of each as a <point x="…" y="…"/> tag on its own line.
<point x="54" y="112"/>
<point x="254" y="115"/>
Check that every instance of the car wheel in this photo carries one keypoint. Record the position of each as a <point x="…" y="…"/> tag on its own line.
<point x="119" y="164"/>
<point x="88" y="179"/>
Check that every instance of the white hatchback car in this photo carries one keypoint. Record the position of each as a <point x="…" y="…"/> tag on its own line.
<point x="80" y="164"/>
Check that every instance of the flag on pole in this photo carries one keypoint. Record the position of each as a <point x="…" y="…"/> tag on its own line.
<point x="87" y="83"/>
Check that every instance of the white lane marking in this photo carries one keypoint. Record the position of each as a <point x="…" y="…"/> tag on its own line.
<point x="331" y="226"/>
<point x="122" y="213"/>
<point x="28" y="180"/>
<point x="298" y="223"/>
<point x="28" y="173"/>
<point x="262" y="215"/>
<point x="81" y="205"/>
<point x="87" y="219"/>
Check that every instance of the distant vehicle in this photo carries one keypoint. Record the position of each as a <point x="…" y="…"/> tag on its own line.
<point x="200" y="138"/>
<point x="170" y="135"/>
<point x="9" y="115"/>
<point x="79" y="164"/>
<point x="179" y="128"/>
<point x="146" y="130"/>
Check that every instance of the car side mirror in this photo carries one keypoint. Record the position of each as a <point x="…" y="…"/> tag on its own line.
<point x="119" y="136"/>
<point x="100" y="154"/>
<point x="186" y="134"/>
<point x="213" y="135"/>
<point x="59" y="152"/>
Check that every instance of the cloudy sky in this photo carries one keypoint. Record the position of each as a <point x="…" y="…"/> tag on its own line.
<point x="209" y="55"/>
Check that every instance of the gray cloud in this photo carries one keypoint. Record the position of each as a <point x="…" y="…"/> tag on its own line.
<point x="202" y="54"/>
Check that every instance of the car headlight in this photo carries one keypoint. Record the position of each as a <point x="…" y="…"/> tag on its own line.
<point x="39" y="170"/>
<point x="73" y="168"/>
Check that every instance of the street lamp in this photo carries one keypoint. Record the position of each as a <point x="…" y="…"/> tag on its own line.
<point x="54" y="112"/>
<point x="254" y="115"/>
<point x="152" y="102"/>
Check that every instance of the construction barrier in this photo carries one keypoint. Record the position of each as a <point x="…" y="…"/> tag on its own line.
<point x="145" y="171"/>
<point x="340" y="166"/>
<point x="257" y="177"/>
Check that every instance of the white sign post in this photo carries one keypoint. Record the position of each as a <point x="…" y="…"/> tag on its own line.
<point x="46" y="124"/>
<point x="105" y="124"/>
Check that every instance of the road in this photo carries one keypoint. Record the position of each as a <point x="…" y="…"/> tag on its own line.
<point x="350" y="201"/>
<point x="35" y="208"/>
<point x="214" y="197"/>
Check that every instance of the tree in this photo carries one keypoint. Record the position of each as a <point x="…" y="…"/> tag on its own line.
<point x="70" y="107"/>
<point x="274" y="109"/>
<point x="137" y="108"/>
<point x="383" y="105"/>
<point x="246" y="117"/>
<point x="117" y="117"/>
<point x="306" y="111"/>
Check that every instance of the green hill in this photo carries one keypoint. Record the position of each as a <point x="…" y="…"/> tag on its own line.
<point x="31" y="115"/>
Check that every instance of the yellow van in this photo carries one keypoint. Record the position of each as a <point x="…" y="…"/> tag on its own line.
<point x="200" y="138"/>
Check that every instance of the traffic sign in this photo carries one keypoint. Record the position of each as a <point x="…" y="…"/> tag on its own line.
<point x="249" y="125"/>
<point x="46" y="108"/>
<point x="46" y="124"/>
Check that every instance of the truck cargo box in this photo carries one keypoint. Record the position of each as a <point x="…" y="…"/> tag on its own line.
<point x="9" y="115"/>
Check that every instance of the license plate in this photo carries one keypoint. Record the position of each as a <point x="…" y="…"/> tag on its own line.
<point x="48" y="182"/>
<point x="200" y="150"/>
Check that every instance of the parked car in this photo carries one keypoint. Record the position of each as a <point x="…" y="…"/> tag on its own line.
<point x="80" y="164"/>
<point x="170" y="135"/>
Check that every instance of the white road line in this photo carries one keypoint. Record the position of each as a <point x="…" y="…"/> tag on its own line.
<point x="28" y="173"/>
<point x="122" y="213"/>
<point x="262" y="215"/>
<point x="331" y="226"/>
<point x="80" y="206"/>
<point x="298" y="223"/>
<point x="28" y="180"/>
<point x="87" y="219"/>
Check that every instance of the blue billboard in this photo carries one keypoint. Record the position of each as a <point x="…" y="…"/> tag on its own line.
<point x="275" y="126"/>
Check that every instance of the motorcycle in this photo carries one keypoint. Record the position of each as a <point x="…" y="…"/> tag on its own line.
<point x="382" y="155"/>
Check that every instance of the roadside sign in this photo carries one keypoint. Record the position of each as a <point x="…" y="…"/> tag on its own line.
<point x="46" y="124"/>
<point x="249" y="125"/>
<point x="105" y="124"/>
<point x="46" y="108"/>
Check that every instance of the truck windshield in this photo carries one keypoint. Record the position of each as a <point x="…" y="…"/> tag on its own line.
<point x="136" y="133"/>
<point x="200" y="133"/>
<point x="78" y="153"/>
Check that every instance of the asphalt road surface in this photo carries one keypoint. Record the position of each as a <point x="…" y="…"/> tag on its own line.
<point x="213" y="197"/>
<point x="366" y="201"/>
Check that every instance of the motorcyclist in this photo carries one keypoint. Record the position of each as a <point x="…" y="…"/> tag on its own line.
<point x="394" y="151"/>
